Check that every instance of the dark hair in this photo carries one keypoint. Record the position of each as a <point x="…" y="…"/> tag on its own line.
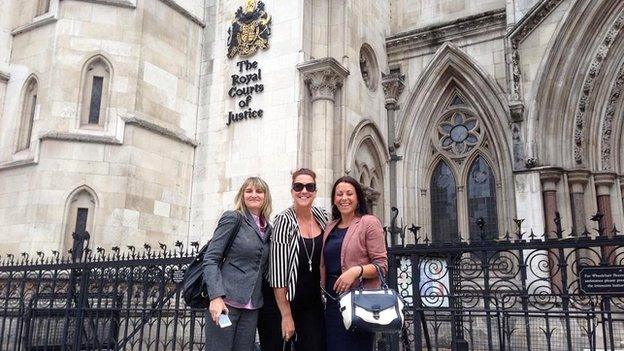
<point x="359" y="193"/>
<point x="303" y="171"/>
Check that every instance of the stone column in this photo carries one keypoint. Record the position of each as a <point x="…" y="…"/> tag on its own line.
<point x="577" y="181"/>
<point x="323" y="78"/>
<point x="550" y="178"/>
<point x="604" y="182"/>
<point x="622" y="189"/>
<point x="393" y="85"/>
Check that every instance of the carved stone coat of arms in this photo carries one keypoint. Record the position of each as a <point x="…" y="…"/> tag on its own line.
<point x="250" y="30"/>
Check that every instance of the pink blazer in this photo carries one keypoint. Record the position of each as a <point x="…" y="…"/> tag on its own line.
<point x="363" y="244"/>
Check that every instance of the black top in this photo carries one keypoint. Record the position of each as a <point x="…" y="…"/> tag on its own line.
<point x="308" y="287"/>
<point x="333" y="267"/>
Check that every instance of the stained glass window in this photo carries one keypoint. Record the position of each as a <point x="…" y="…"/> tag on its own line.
<point x="444" y="205"/>
<point x="482" y="199"/>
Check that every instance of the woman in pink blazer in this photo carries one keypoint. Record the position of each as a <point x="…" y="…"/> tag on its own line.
<point x="353" y="244"/>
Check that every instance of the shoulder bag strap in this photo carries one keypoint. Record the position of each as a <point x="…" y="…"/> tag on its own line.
<point x="231" y="238"/>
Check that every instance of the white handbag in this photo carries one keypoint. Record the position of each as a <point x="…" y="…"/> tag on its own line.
<point x="375" y="310"/>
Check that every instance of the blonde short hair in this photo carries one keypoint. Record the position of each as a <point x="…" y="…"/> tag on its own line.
<point x="259" y="184"/>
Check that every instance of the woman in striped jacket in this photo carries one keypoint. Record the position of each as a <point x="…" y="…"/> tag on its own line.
<point x="294" y="264"/>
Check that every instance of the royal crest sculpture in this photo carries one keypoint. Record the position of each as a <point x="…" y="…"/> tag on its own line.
<point x="250" y="30"/>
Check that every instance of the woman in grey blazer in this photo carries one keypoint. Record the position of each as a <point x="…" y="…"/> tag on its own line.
<point x="235" y="289"/>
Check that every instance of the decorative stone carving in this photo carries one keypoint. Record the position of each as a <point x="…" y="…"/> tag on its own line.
<point x="393" y="85"/>
<point x="323" y="84"/>
<point x="607" y="124"/>
<point x="588" y="87"/>
<point x="530" y="162"/>
<point x="517" y="144"/>
<point x="369" y="68"/>
<point x="458" y="133"/>
<point x="535" y="16"/>
<point x="434" y="35"/>
<point x="521" y="30"/>
<point x="323" y="77"/>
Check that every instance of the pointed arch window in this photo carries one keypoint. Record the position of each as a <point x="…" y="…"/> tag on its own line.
<point x="444" y="204"/>
<point x="95" y="93"/>
<point x="79" y="222"/>
<point x="482" y="199"/>
<point x="29" y="108"/>
<point x="463" y="184"/>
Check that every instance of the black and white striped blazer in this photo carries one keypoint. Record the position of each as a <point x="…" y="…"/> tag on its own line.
<point x="284" y="256"/>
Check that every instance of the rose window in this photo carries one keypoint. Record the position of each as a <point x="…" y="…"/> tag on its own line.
<point x="458" y="133"/>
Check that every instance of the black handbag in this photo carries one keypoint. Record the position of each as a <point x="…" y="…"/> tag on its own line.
<point x="290" y="344"/>
<point x="193" y="286"/>
<point x="374" y="310"/>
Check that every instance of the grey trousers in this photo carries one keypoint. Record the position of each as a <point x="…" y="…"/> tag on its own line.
<point x="240" y="336"/>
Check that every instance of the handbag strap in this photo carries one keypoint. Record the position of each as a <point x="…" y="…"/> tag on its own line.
<point x="231" y="238"/>
<point x="382" y="278"/>
<point x="290" y="342"/>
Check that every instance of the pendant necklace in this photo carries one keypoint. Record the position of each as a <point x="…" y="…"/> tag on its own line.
<point x="305" y="247"/>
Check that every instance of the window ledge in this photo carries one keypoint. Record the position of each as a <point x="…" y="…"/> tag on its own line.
<point x="129" y="4"/>
<point x="159" y="129"/>
<point x="17" y="163"/>
<point x="84" y="138"/>
<point x="37" y="22"/>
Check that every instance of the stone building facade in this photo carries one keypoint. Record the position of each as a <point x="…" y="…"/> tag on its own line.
<point x="135" y="119"/>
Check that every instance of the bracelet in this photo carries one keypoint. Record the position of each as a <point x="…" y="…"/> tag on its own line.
<point x="361" y="271"/>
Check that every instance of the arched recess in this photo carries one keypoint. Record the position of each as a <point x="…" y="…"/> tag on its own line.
<point x="451" y="83"/>
<point x="95" y="92"/>
<point x="572" y="91"/>
<point x="28" y="110"/>
<point x="80" y="211"/>
<point x="366" y="161"/>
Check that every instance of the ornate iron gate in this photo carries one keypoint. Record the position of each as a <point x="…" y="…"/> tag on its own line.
<point x="520" y="292"/>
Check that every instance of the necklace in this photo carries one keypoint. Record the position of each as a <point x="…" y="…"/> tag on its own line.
<point x="305" y="247"/>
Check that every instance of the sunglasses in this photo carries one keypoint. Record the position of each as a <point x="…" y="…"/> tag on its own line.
<point x="311" y="187"/>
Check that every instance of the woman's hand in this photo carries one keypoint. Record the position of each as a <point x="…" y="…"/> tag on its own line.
<point x="217" y="306"/>
<point x="346" y="279"/>
<point x="288" y="327"/>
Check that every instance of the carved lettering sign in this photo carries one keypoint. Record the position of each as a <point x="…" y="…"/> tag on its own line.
<point x="249" y="33"/>
<point x="602" y="280"/>
<point x="245" y="83"/>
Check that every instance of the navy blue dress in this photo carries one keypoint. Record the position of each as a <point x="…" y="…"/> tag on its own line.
<point x="339" y="338"/>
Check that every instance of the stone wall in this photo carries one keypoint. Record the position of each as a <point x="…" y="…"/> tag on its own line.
<point x="409" y="14"/>
<point x="266" y="146"/>
<point x="138" y="165"/>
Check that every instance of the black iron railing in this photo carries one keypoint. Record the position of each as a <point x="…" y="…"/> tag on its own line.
<point x="100" y="301"/>
<point x="519" y="292"/>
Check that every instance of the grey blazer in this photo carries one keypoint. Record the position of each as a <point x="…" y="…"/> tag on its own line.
<point x="240" y="277"/>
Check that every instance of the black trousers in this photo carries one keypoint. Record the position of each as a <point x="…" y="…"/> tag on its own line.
<point x="309" y="325"/>
<point x="310" y="328"/>
<point x="270" y="329"/>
